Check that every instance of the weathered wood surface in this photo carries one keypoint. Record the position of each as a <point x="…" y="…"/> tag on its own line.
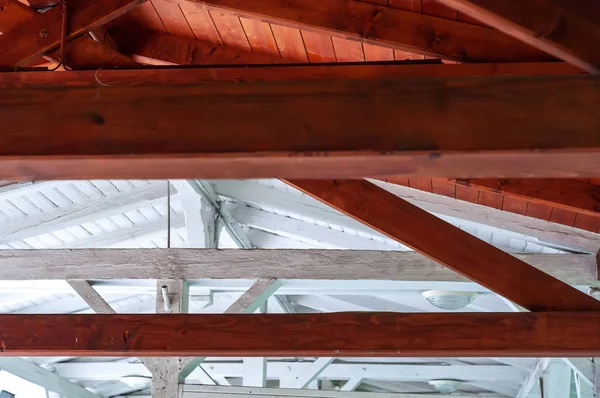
<point x="340" y="335"/>
<point x="97" y="264"/>
<point x="333" y="129"/>
<point x="389" y="27"/>
<point x="558" y="28"/>
<point x="448" y="245"/>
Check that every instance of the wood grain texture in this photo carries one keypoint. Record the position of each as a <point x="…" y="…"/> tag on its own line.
<point x="558" y="29"/>
<point x="12" y="13"/>
<point x="36" y="36"/>
<point x="448" y="245"/>
<point x="146" y="45"/>
<point x="242" y="129"/>
<point x="166" y="76"/>
<point x="364" y="334"/>
<point x="85" y="53"/>
<point x="374" y="24"/>
<point x="568" y="194"/>
<point x="95" y="264"/>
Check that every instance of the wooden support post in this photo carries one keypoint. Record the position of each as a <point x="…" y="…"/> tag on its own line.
<point x="450" y="246"/>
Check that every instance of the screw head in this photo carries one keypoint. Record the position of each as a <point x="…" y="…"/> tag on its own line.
<point x="44" y="33"/>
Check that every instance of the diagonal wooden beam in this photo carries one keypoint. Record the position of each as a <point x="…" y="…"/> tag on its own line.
<point x="569" y="194"/>
<point x="387" y="26"/>
<point x="149" y="47"/>
<point x="448" y="245"/>
<point x="34" y="37"/>
<point x="555" y="27"/>
<point x="334" y="129"/>
<point x="358" y="334"/>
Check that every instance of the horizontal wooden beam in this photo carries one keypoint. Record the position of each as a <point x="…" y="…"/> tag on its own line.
<point x="389" y="27"/>
<point x="167" y="76"/>
<point x="551" y="26"/>
<point x="98" y="264"/>
<point x="333" y="129"/>
<point x="361" y="334"/>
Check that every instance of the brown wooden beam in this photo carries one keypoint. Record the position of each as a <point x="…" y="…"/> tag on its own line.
<point x="450" y="246"/>
<point x="556" y="27"/>
<point x="360" y="334"/>
<point x="385" y="26"/>
<point x="166" y="76"/>
<point x="324" y="129"/>
<point x="569" y="194"/>
<point x="34" y="37"/>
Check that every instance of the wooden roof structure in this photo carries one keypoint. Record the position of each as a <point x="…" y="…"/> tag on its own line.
<point x="358" y="105"/>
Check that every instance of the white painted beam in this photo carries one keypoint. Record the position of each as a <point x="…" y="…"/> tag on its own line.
<point x="255" y="372"/>
<point x="557" y="380"/>
<point x="352" y="384"/>
<point x="263" y="264"/>
<point x="244" y="392"/>
<point x="205" y="191"/>
<point x="311" y="373"/>
<point x="80" y="213"/>
<point x="534" y="375"/>
<point x="42" y="377"/>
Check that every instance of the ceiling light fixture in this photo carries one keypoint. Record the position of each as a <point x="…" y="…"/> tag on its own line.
<point x="445" y="386"/>
<point x="449" y="299"/>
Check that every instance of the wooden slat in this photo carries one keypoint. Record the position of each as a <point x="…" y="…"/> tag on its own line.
<point x="200" y="22"/>
<point x="157" y="76"/>
<point x="319" y="47"/>
<point x="447" y="244"/>
<point x="173" y="18"/>
<point x="391" y="27"/>
<point x="95" y="264"/>
<point x="568" y="194"/>
<point x="85" y="53"/>
<point x="25" y="42"/>
<point x="144" y="45"/>
<point x="360" y="334"/>
<point x="290" y="43"/>
<point x="551" y="27"/>
<point x="243" y="134"/>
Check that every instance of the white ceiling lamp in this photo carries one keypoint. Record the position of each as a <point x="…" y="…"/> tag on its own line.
<point x="445" y="386"/>
<point x="449" y="299"/>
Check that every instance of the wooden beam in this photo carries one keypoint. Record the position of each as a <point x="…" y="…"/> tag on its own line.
<point x="166" y="76"/>
<point x="338" y="335"/>
<point x="385" y="26"/>
<point x="448" y="245"/>
<point x="34" y="37"/>
<point x="97" y="264"/>
<point x="569" y="194"/>
<point x="549" y="25"/>
<point x="12" y="13"/>
<point x="242" y="131"/>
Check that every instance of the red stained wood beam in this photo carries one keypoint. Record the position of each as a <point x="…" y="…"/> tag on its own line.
<point x="557" y="27"/>
<point x="363" y="334"/>
<point x="450" y="246"/>
<point x="304" y="129"/>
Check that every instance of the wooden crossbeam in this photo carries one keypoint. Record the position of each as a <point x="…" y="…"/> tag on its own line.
<point x="333" y="129"/>
<point x="98" y="264"/>
<point x="361" y="334"/>
<point x="166" y="76"/>
<point x="556" y="27"/>
<point x="385" y="26"/>
<point x="569" y="194"/>
<point x="34" y="37"/>
<point x="448" y="245"/>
